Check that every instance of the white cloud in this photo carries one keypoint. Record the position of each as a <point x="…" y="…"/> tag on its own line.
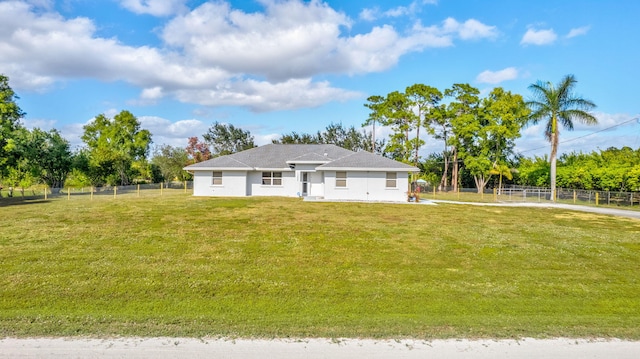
<point x="150" y="96"/>
<point x="609" y="122"/>
<point x="262" y="96"/>
<point x="578" y="31"/>
<point x="369" y="14"/>
<point x="469" y="30"/>
<point x="42" y="124"/>
<point x="43" y="4"/>
<point x="289" y="40"/>
<point x="539" y="37"/>
<point x="155" y="7"/>
<point x="401" y="11"/>
<point x="372" y="14"/>
<point x="215" y="55"/>
<point x="176" y="133"/>
<point x="495" y="77"/>
<point x="264" y="139"/>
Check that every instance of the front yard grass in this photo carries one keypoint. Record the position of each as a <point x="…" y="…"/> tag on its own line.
<point x="277" y="267"/>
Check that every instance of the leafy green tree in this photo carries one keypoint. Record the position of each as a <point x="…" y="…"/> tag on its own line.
<point x="336" y="134"/>
<point x="501" y="170"/>
<point x="484" y="130"/>
<point x="376" y="105"/>
<point x="441" y="130"/>
<point x="506" y="114"/>
<point x="425" y="100"/>
<point x="81" y="171"/>
<point x="558" y="105"/>
<point x="50" y="156"/>
<point x="115" y="145"/>
<point x="170" y="162"/>
<point x="227" y="139"/>
<point x="10" y="116"/>
<point x="348" y="138"/>
<point x="533" y="171"/>
<point x="399" y="116"/>
<point x="633" y="178"/>
<point x="463" y="114"/>
<point x="298" y="138"/>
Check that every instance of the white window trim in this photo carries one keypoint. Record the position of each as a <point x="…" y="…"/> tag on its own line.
<point x="214" y="177"/>
<point x="341" y="179"/>
<point x="394" y="179"/>
<point x="271" y="178"/>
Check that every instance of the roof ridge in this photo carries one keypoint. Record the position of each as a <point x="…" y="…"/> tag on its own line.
<point x="240" y="162"/>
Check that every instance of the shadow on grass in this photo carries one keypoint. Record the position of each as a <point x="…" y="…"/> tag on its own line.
<point x="15" y="201"/>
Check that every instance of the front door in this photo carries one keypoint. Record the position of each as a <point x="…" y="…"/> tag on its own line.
<point x="305" y="184"/>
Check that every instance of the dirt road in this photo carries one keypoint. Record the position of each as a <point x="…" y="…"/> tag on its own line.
<point x="161" y="348"/>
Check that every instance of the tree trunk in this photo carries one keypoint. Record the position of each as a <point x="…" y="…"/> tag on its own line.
<point x="417" y="144"/>
<point x="445" y="173"/>
<point x="554" y="150"/>
<point x="480" y="182"/>
<point x="554" y="153"/>
<point x="454" y="173"/>
<point x="445" y="158"/>
<point x="373" y="138"/>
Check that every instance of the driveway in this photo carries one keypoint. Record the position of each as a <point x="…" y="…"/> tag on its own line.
<point x="571" y="207"/>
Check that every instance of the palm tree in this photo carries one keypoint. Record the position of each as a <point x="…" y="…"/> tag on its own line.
<point x="558" y="104"/>
<point x="501" y="170"/>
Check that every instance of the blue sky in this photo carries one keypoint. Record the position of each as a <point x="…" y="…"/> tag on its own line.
<point x="276" y="66"/>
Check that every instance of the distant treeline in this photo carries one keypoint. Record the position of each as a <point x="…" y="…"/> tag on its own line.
<point x="478" y="136"/>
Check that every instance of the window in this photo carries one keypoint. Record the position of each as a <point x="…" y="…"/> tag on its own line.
<point x="272" y="178"/>
<point x="341" y="179"/>
<point x="391" y="179"/>
<point x="217" y="178"/>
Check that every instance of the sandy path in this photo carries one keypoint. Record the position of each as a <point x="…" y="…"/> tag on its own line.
<point x="572" y="207"/>
<point x="160" y="348"/>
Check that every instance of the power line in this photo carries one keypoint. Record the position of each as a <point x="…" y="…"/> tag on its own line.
<point x="587" y="135"/>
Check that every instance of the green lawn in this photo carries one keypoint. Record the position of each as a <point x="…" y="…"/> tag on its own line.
<point x="177" y="265"/>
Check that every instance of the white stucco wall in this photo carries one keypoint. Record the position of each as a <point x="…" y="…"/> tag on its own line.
<point x="315" y="179"/>
<point x="366" y="186"/>
<point x="363" y="186"/>
<point x="233" y="184"/>
<point x="289" y="187"/>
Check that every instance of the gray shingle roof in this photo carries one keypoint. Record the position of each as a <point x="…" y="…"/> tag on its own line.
<point x="366" y="161"/>
<point x="276" y="156"/>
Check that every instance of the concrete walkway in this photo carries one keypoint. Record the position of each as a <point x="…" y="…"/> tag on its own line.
<point x="571" y="207"/>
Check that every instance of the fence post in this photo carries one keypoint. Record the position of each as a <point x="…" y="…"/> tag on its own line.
<point x="115" y="191"/>
<point x="45" y="192"/>
<point x="185" y="186"/>
<point x="608" y="198"/>
<point x="434" y="191"/>
<point x="68" y="193"/>
<point x="574" y="196"/>
<point x="138" y="189"/>
<point x="597" y="198"/>
<point x="495" y="194"/>
<point x="91" y="196"/>
<point x="161" y="185"/>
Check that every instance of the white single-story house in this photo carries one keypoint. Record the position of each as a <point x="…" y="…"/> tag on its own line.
<point x="297" y="170"/>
